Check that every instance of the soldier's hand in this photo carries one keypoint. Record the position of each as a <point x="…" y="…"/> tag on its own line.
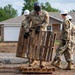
<point x="30" y="30"/>
<point x="37" y="30"/>
<point x="26" y="35"/>
<point x="22" y="26"/>
<point x="64" y="42"/>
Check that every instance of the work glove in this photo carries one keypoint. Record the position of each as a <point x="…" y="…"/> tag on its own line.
<point x="30" y="30"/>
<point x="26" y="35"/>
<point x="22" y="26"/>
<point x="64" y="42"/>
<point x="37" y="30"/>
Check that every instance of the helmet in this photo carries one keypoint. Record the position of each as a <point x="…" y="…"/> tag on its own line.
<point x="69" y="17"/>
<point x="26" y="12"/>
<point x="37" y="6"/>
<point x="64" y="11"/>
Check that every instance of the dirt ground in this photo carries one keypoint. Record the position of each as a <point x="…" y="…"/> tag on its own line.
<point x="11" y="48"/>
<point x="16" y="72"/>
<point x="8" y="47"/>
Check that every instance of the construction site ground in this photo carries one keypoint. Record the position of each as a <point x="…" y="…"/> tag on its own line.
<point x="7" y="57"/>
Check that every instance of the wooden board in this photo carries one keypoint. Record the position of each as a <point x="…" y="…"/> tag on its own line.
<point x="37" y="70"/>
<point x="20" y="51"/>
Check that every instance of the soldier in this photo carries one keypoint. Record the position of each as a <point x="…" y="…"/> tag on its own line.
<point x="25" y="22"/>
<point x="23" y="29"/>
<point x="39" y="19"/>
<point x="65" y="46"/>
<point x="72" y="33"/>
<point x="69" y="17"/>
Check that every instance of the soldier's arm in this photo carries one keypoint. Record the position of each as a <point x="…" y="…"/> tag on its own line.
<point x="46" y="20"/>
<point x="27" y="24"/>
<point x="29" y="21"/>
<point x="67" y="30"/>
<point x="73" y="26"/>
<point x="67" y="26"/>
<point x="22" y="24"/>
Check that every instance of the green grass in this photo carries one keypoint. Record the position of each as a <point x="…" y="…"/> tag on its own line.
<point x="56" y="42"/>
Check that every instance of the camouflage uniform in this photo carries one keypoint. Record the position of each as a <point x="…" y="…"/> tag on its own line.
<point x="24" y="28"/>
<point x="65" y="46"/>
<point x="41" y="19"/>
<point x="25" y="24"/>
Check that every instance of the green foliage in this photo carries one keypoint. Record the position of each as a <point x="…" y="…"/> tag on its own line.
<point x="9" y="9"/>
<point x="57" y="42"/>
<point x="28" y="4"/>
<point x="48" y="7"/>
<point x="72" y="10"/>
<point x="7" y="12"/>
<point x="3" y="15"/>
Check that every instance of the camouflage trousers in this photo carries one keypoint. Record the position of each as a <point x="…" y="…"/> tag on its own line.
<point x="65" y="48"/>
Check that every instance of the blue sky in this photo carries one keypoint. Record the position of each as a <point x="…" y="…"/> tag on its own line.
<point x="59" y="4"/>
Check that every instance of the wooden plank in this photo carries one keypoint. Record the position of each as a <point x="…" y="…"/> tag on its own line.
<point x="49" y="57"/>
<point x="37" y="70"/>
<point x="25" y="47"/>
<point x="51" y="53"/>
<point x="30" y="49"/>
<point x="50" y="48"/>
<point x="39" y="40"/>
<point x="46" y="44"/>
<point x="31" y="45"/>
<point x="19" y="52"/>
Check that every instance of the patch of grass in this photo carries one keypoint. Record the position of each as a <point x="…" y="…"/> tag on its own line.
<point x="57" y="42"/>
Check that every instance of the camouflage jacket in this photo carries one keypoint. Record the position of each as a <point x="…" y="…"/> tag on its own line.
<point x="25" y="24"/>
<point x="66" y="30"/>
<point x="41" y="19"/>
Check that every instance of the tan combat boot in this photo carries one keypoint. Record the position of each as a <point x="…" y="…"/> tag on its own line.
<point x="69" y="66"/>
<point x="34" y="63"/>
<point x="43" y="64"/>
<point x="53" y="63"/>
<point x="57" y="64"/>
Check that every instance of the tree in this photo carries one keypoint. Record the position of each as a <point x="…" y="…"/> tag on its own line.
<point x="3" y="15"/>
<point x="10" y="11"/>
<point x="7" y="12"/>
<point x="72" y="10"/>
<point x="48" y="7"/>
<point x="28" y="5"/>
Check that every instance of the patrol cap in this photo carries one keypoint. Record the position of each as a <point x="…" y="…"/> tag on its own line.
<point x="26" y="12"/>
<point x="37" y="6"/>
<point x="69" y="17"/>
<point x="64" y="11"/>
